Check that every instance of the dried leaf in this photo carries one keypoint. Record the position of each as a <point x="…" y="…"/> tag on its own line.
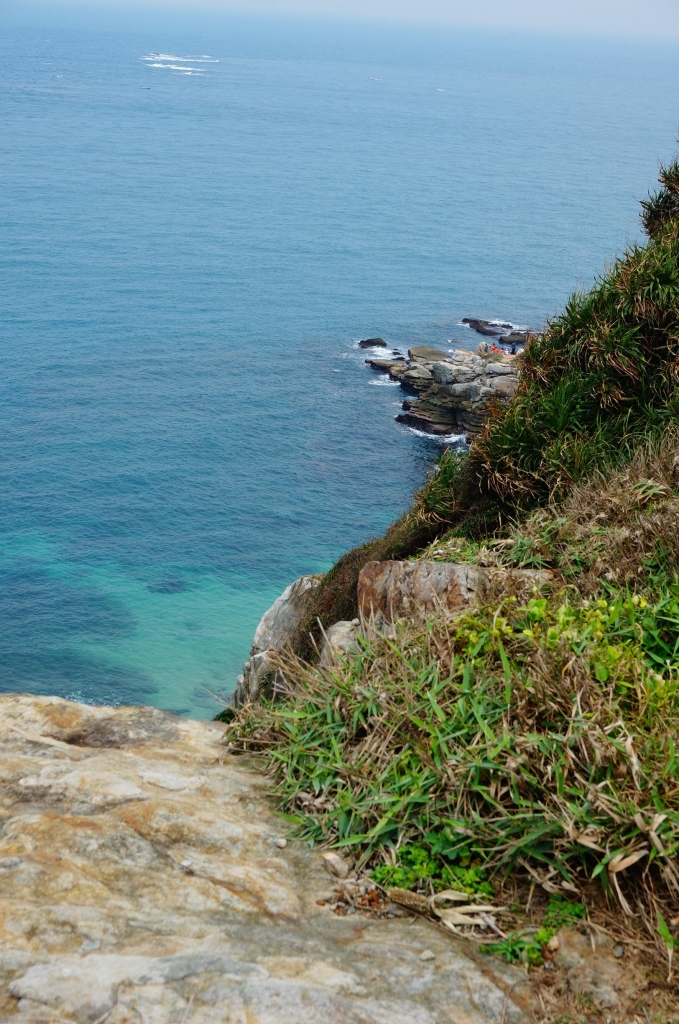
<point x="450" y="894"/>
<point x="621" y="863"/>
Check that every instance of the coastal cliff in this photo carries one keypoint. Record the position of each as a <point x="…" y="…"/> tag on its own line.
<point x="473" y="717"/>
<point x="471" y="703"/>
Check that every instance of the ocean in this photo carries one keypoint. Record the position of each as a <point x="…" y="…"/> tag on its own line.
<point x="199" y="220"/>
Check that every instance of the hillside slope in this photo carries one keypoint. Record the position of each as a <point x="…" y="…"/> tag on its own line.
<point x="529" y="741"/>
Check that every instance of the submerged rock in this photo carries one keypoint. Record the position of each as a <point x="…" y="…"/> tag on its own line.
<point x="144" y="882"/>
<point x="491" y="330"/>
<point x="385" y="365"/>
<point x="514" y="338"/>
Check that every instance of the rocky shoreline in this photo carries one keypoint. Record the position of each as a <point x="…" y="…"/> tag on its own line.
<point x="454" y="391"/>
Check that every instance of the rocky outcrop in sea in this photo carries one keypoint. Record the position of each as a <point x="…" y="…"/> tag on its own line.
<point x="456" y="390"/>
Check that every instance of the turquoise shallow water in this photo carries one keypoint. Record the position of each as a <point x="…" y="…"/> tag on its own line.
<point x="186" y="263"/>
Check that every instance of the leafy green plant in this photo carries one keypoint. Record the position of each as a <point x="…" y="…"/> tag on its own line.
<point x="528" y="946"/>
<point x="421" y="865"/>
<point x="484" y="736"/>
<point x="561" y="913"/>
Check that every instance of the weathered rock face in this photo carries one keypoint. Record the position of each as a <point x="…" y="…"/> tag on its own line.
<point x="143" y="881"/>
<point x="275" y="629"/>
<point x="426" y="354"/>
<point x="415" y="590"/>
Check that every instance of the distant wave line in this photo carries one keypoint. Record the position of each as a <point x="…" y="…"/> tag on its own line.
<point x="171" y="56"/>
<point x="176" y="67"/>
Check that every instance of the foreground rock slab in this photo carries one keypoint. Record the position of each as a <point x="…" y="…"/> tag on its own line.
<point x="144" y="879"/>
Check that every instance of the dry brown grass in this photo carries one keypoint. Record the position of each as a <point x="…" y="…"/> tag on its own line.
<point x="619" y="529"/>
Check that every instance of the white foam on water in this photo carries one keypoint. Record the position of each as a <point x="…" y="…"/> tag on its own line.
<point x="377" y="351"/>
<point x="178" y="67"/>
<point x="171" y="56"/>
<point x="439" y="438"/>
<point x="384" y="383"/>
<point x="498" y="323"/>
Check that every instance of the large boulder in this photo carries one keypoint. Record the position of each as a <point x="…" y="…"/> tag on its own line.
<point x="418" y="376"/>
<point x="491" y="330"/>
<point x="426" y="354"/>
<point x="453" y="373"/>
<point x="416" y="590"/>
<point x="412" y="590"/>
<point x="339" y="641"/>
<point x="276" y="628"/>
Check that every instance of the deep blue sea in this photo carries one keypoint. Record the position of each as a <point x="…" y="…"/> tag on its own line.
<point x="198" y="221"/>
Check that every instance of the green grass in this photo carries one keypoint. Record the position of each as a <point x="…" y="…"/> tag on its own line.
<point x="509" y="735"/>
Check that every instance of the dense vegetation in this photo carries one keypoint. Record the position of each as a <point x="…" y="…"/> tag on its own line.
<point x="525" y="733"/>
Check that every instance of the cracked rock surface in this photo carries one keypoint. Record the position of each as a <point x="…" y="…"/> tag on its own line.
<point x="143" y="880"/>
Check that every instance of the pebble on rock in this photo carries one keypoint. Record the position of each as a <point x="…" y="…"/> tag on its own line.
<point x="335" y="865"/>
<point x="427" y="954"/>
